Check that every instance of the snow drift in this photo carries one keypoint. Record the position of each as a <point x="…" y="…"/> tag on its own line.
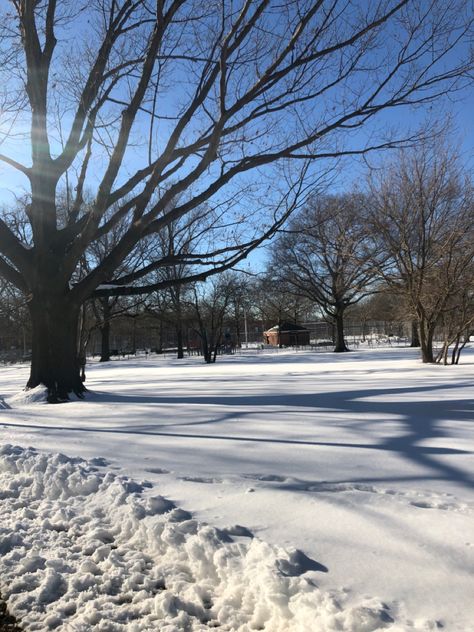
<point x="82" y="549"/>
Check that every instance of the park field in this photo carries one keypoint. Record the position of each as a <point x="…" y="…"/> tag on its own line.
<point x="277" y="490"/>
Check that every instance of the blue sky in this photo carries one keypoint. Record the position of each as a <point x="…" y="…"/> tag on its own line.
<point x="458" y="107"/>
<point x="350" y="172"/>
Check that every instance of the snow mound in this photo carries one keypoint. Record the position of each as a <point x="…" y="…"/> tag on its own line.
<point x="83" y="549"/>
<point x="37" y="395"/>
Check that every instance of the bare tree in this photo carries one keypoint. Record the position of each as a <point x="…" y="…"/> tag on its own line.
<point x="211" y="304"/>
<point x="98" y="312"/>
<point x="174" y="243"/>
<point x="457" y="321"/>
<point x="15" y="330"/>
<point x="326" y="256"/>
<point x="142" y="101"/>
<point x="276" y="303"/>
<point x="384" y="305"/>
<point x="423" y="216"/>
<point x="160" y="311"/>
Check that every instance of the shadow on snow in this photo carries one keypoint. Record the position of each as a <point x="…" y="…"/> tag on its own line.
<point x="421" y="420"/>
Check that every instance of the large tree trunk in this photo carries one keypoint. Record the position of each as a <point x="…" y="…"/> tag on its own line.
<point x="427" y="351"/>
<point x="105" y="342"/>
<point x="426" y="342"/>
<point x="340" y="343"/>
<point x="55" y="362"/>
<point x="206" y="352"/>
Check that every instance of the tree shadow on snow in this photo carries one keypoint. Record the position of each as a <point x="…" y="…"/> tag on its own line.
<point x="419" y="421"/>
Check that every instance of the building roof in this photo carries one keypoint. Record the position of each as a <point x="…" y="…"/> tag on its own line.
<point x="286" y="327"/>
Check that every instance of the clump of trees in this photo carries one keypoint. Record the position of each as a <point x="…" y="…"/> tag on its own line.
<point x="407" y="241"/>
<point x="422" y="216"/>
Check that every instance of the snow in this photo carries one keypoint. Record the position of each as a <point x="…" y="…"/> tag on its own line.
<point x="338" y="490"/>
<point x="87" y="550"/>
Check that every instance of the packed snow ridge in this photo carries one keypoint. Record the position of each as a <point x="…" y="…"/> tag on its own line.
<point x="82" y="549"/>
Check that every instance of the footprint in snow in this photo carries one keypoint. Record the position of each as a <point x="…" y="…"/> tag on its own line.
<point x="200" y="479"/>
<point x="157" y="470"/>
<point x="99" y="461"/>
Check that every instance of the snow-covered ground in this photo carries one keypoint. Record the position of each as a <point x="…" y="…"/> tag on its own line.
<point x="354" y="473"/>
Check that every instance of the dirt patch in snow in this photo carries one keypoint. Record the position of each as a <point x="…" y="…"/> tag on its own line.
<point x="7" y="622"/>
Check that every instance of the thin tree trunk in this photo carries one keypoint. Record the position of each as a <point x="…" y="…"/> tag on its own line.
<point x="459" y="349"/>
<point x="445" y="353"/>
<point x="457" y="342"/>
<point x="134" y="336"/>
<point x="333" y="331"/>
<point x="179" y="331"/>
<point x="179" y="323"/>
<point x="415" y="337"/>
<point x="160" y="336"/>
<point x="238" y="342"/>
<point x="179" y="340"/>
<point x="105" y="332"/>
<point x="206" y="352"/>
<point x="83" y="340"/>
<point x="280" y="345"/>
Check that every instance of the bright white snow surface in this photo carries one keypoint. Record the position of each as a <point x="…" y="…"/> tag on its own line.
<point x="353" y="472"/>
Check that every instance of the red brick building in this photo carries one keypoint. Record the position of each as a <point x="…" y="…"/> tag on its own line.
<point x="286" y="335"/>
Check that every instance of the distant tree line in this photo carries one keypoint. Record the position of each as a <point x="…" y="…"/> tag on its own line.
<point x="399" y="249"/>
<point x="407" y="238"/>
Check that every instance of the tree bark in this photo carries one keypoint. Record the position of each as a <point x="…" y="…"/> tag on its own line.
<point x="178" y="314"/>
<point x="459" y="347"/>
<point x="179" y="328"/>
<point x="340" y="343"/>
<point x="426" y="342"/>
<point x="179" y="340"/>
<point x="54" y="360"/>
<point x="280" y="322"/>
<point x="105" y="342"/>
<point x="415" y="337"/>
<point x="205" y="347"/>
<point x="105" y="332"/>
